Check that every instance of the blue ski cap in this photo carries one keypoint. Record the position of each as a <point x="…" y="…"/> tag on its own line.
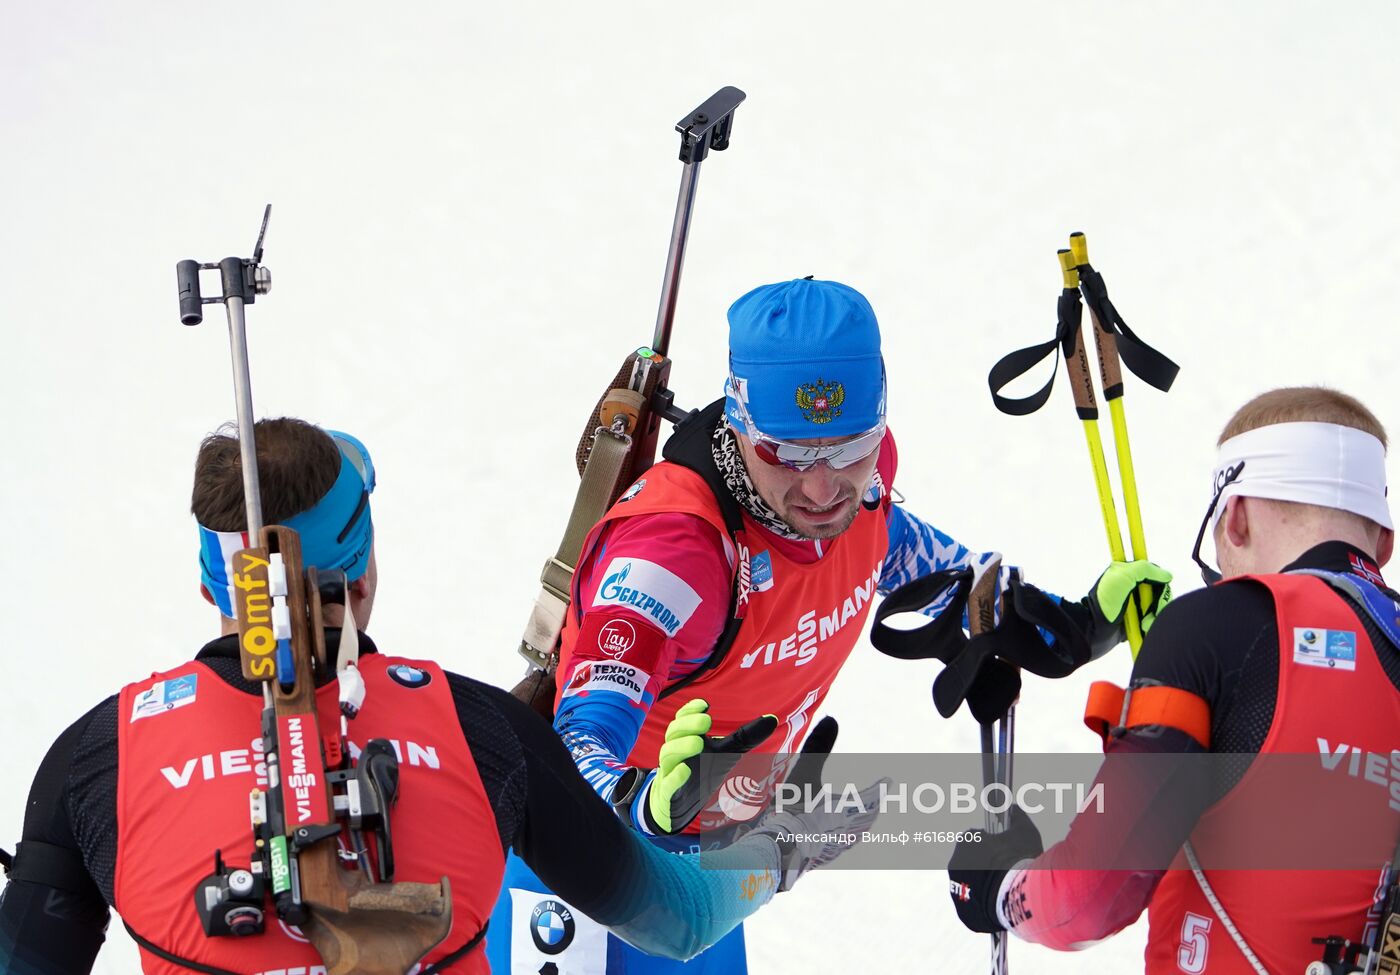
<point x="336" y="532"/>
<point x="805" y="356"/>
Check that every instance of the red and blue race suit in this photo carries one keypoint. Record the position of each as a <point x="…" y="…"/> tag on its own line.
<point x="652" y="595"/>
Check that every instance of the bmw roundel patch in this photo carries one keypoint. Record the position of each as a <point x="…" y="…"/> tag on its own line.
<point x="410" y="677"/>
<point x="551" y="926"/>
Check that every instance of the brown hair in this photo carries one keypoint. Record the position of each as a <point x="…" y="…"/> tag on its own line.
<point x="1303" y="404"/>
<point x="297" y="464"/>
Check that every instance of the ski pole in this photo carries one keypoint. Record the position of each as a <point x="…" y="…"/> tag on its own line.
<point x="1111" y="374"/>
<point x="1082" y="385"/>
<point x="998" y="737"/>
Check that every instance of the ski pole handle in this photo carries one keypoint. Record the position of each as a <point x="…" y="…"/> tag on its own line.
<point x="1081" y="381"/>
<point x="1110" y="367"/>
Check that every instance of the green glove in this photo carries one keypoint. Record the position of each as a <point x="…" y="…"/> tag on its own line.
<point x="1108" y="600"/>
<point x="691" y="766"/>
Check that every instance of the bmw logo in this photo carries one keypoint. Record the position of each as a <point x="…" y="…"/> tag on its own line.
<point x="551" y="926"/>
<point x="409" y="676"/>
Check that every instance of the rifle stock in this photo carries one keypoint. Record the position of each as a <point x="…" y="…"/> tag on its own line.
<point x="355" y="925"/>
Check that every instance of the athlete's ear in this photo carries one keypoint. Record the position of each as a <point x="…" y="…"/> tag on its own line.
<point x="1236" y="520"/>
<point x="1385" y="546"/>
<point x="204" y="591"/>
<point x="359" y="587"/>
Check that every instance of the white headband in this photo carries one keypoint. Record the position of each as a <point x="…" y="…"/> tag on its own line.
<point x="1322" y="464"/>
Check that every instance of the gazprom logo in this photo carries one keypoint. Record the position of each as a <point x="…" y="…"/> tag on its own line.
<point x="652" y="591"/>
<point x="612" y="585"/>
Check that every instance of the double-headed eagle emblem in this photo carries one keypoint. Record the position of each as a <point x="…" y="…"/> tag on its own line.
<point x="821" y="401"/>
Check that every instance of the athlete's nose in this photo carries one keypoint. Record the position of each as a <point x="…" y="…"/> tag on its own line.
<point x="820" y="485"/>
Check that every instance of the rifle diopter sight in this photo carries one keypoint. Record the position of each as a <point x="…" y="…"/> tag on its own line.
<point x="244" y="278"/>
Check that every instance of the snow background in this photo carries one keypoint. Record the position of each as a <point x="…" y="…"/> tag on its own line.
<point x="471" y="210"/>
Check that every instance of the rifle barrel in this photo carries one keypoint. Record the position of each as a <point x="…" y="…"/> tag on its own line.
<point x="243" y="403"/>
<point x="675" y="258"/>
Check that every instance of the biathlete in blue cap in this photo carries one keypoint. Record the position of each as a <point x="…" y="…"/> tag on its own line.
<point x="132" y="798"/>
<point x="741" y="571"/>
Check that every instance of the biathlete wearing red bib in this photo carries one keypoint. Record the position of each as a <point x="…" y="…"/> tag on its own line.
<point x="729" y="573"/>
<point x="133" y="799"/>
<point x="1232" y="646"/>
<point x="1291" y="674"/>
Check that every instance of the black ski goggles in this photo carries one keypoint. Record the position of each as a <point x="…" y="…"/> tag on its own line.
<point x="1211" y="575"/>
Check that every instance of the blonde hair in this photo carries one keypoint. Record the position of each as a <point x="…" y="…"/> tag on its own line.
<point x="1303" y="404"/>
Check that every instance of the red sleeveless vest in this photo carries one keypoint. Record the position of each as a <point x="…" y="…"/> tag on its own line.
<point x="1331" y="717"/>
<point x="189" y="753"/>
<point x="800" y="623"/>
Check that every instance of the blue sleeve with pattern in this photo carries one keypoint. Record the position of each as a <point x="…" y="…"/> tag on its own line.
<point x="918" y="549"/>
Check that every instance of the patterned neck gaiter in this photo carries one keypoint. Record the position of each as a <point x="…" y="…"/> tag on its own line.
<point x="736" y="477"/>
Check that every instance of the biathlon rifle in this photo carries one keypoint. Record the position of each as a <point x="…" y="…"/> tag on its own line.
<point x="619" y="439"/>
<point x="358" y="919"/>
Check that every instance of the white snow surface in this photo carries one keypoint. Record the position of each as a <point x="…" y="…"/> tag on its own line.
<point x="471" y="210"/>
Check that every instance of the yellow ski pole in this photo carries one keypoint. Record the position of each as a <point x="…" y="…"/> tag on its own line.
<point x="1111" y="373"/>
<point x="1082" y="383"/>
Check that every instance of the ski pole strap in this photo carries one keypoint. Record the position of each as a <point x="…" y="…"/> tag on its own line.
<point x="942" y="636"/>
<point x="1011" y="367"/>
<point x="594" y="497"/>
<point x="983" y="670"/>
<point x="1142" y="360"/>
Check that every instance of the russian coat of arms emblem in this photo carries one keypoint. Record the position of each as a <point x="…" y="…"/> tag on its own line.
<point x="821" y="401"/>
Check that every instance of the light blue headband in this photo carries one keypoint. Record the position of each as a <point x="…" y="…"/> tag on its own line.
<point x="336" y="532"/>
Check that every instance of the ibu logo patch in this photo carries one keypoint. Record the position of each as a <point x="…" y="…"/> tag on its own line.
<point x="165" y="696"/>
<point x="1315" y="647"/>
<point x="551" y="926"/>
<point x="653" y="591"/>
<point x="410" y="677"/>
<point x="761" y="572"/>
<point x="633" y="491"/>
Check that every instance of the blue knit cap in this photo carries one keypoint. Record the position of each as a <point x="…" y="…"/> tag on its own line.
<point x="806" y="358"/>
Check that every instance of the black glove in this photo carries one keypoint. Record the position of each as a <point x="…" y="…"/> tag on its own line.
<point x="819" y="833"/>
<point x="807" y="770"/>
<point x="980" y="863"/>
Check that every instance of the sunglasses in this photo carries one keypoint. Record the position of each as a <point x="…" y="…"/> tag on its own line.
<point x="1210" y="575"/>
<point x="800" y="457"/>
<point x="358" y="456"/>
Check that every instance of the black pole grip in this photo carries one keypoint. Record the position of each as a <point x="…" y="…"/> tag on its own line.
<point x="191" y="303"/>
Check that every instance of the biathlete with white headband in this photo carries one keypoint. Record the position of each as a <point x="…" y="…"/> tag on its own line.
<point x="741" y="571"/>
<point x="133" y="799"/>
<point x="1293" y="654"/>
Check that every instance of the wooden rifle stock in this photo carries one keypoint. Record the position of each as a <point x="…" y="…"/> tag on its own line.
<point x="355" y="925"/>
